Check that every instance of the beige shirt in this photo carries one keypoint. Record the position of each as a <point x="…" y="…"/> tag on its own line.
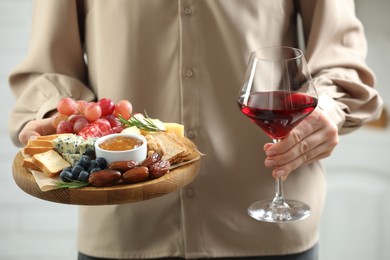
<point x="183" y="61"/>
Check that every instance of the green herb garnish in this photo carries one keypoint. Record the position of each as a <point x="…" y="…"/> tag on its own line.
<point x="141" y="122"/>
<point x="71" y="185"/>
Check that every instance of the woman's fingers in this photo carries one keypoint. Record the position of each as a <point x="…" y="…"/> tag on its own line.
<point x="313" y="139"/>
<point x="36" y="128"/>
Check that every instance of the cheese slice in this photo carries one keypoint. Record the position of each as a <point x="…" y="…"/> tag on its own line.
<point x="131" y="130"/>
<point x="160" y="125"/>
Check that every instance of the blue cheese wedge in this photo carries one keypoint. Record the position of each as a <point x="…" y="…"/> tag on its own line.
<point x="67" y="144"/>
<point x="71" y="147"/>
<point x="87" y="145"/>
<point x="71" y="158"/>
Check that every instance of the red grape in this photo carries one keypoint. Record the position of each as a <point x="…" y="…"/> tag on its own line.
<point x="57" y="119"/>
<point x="107" y="106"/>
<point x="74" y="118"/>
<point x="117" y="129"/>
<point x="66" y="106"/>
<point x="79" y="124"/>
<point x="123" y="108"/>
<point x="114" y="122"/>
<point x="81" y="105"/>
<point x="92" y="112"/>
<point x="64" y="127"/>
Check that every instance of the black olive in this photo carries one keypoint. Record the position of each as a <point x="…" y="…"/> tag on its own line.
<point x="90" y="153"/>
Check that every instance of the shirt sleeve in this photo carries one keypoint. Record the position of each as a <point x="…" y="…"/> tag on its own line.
<point x="54" y="66"/>
<point x="336" y="50"/>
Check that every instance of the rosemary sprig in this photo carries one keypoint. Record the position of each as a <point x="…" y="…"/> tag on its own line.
<point x="145" y="124"/>
<point x="71" y="185"/>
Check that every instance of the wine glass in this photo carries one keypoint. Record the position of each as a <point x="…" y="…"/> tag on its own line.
<point x="277" y="93"/>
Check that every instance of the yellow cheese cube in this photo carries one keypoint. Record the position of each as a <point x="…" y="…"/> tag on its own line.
<point x="175" y="128"/>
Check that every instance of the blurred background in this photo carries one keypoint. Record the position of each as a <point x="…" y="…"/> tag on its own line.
<point x="356" y="218"/>
<point x="355" y="223"/>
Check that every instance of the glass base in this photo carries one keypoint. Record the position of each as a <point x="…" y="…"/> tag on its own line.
<point x="284" y="211"/>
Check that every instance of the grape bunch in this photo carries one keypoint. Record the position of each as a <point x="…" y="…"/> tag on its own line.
<point x="90" y="119"/>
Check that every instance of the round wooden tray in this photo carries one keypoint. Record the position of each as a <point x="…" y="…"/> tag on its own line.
<point x="117" y="194"/>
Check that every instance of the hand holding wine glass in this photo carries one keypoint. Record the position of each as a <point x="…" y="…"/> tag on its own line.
<point x="311" y="140"/>
<point x="277" y="94"/>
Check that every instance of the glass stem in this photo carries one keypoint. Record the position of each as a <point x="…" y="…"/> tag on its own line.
<point x="278" y="198"/>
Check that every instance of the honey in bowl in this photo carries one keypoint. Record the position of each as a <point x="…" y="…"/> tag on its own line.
<point x="120" y="143"/>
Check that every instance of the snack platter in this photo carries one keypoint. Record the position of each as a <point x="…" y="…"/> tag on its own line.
<point x="101" y="154"/>
<point x="117" y="194"/>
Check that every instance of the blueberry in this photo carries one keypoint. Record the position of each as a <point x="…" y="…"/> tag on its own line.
<point x="69" y="169"/>
<point x="102" y="162"/>
<point x="83" y="176"/>
<point x="85" y="161"/>
<point x="94" y="164"/>
<point x="95" y="170"/>
<point x="76" y="171"/>
<point x="66" y="176"/>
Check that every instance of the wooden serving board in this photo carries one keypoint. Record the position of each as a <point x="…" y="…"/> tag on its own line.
<point x="117" y="194"/>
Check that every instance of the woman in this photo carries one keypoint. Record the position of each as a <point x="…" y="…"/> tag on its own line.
<point x="183" y="61"/>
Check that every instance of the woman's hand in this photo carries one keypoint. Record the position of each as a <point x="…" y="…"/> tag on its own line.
<point x="36" y="128"/>
<point x="311" y="140"/>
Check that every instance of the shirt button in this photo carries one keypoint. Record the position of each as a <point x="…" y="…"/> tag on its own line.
<point x="187" y="11"/>
<point x="190" y="192"/>
<point x="190" y="134"/>
<point x="189" y="73"/>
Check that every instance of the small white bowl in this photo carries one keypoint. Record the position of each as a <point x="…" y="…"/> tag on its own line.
<point x="137" y="154"/>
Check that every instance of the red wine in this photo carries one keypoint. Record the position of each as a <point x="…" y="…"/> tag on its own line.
<point x="277" y="112"/>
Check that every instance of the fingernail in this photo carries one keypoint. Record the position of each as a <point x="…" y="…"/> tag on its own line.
<point x="269" y="163"/>
<point x="267" y="146"/>
<point x="279" y="173"/>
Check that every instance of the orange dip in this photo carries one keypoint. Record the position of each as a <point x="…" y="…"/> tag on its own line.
<point x="120" y="143"/>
